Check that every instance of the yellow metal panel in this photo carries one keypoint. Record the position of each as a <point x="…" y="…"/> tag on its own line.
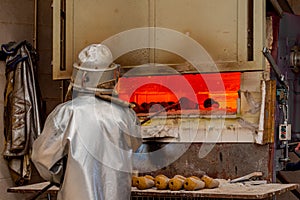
<point x="97" y="20"/>
<point x="270" y="105"/>
<point x="62" y="70"/>
<point x="210" y="23"/>
<point x="219" y="26"/>
<point x="56" y="39"/>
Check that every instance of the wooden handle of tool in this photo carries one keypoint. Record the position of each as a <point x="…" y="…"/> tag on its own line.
<point x="144" y="182"/>
<point x="193" y="183"/>
<point x="161" y="182"/>
<point x="134" y="181"/>
<point x="176" y="183"/>
<point x="210" y="182"/>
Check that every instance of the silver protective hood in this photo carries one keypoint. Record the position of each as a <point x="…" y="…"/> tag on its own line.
<point x="100" y="80"/>
<point x="98" y="139"/>
<point x="95" y="70"/>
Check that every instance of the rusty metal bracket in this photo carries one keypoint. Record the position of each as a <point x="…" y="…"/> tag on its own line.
<point x="273" y="64"/>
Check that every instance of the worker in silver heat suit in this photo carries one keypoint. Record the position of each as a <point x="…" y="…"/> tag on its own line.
<point x="87" y="143"/>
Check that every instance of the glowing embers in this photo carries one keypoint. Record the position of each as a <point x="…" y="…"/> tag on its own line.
<point x="204" y="92"/>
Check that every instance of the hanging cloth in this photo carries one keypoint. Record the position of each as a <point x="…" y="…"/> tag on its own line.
<point x="22" y="106"/>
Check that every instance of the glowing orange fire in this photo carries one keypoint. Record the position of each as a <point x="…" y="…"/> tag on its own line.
<point x="195" y="91"/>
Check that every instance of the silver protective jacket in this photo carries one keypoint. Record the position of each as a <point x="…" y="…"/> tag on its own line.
<point x="98" y="139"/>
<point x="22" y="108"/>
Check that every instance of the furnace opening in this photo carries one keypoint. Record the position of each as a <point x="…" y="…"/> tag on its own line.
<point x="202" y="93"/>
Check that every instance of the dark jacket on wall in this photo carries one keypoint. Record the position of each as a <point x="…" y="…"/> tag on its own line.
<point x="22" y="121"/>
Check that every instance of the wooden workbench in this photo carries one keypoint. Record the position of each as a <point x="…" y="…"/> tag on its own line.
<point x="234" y="192"/>
<point x="225" y="191"/>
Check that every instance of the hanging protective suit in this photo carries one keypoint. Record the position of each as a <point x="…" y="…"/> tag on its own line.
<point x="22" y="105"/>
<point x="87" y="144"/>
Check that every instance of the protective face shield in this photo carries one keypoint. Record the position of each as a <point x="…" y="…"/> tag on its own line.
<point x="95" y="70"/>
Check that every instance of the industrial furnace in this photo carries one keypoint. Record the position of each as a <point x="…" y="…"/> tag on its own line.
<point x="203" y="64"/>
